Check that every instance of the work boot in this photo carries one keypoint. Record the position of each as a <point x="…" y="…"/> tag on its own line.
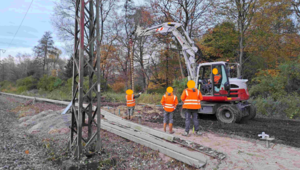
<point x="171" y="128"/>
<point x="185" y="134"/>
<point x="198" y="133"/>
<point x="165" y="127"/>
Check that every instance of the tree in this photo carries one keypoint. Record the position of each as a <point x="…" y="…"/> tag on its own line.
<point x="68" y="71"/>
<point x="44" y="48"/>
<point x="193" y="14"/>
<point x="272" y="34"/>
<point x="242" y="12"/>
<point x="296" y="7"/>
<point x="220" y="42"/>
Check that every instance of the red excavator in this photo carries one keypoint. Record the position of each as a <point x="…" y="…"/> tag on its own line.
<point x="224" y="92"/>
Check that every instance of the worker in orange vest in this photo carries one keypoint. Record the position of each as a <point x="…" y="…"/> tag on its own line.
<point x="130" y="100"/>
<point x="191" y="98"/>
<point x="169" y="102"/>
<point x="217" y="75"/>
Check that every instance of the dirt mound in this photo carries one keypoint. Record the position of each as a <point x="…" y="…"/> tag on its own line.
<point x="49" y="123"/>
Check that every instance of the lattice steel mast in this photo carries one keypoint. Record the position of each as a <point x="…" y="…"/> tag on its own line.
<point x="84" y="57"/>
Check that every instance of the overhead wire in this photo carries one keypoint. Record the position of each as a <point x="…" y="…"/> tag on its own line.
<point x="20" y="24"/>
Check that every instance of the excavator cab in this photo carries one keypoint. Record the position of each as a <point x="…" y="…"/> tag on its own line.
<point x="234" y="70"/>
<point x="213" y="79"/>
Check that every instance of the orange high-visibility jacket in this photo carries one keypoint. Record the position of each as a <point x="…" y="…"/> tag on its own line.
<point x="217" y="78"/>
<point x="130" y="100"/>
<point x="191" y="99"/>
<point x="169" y="102"/>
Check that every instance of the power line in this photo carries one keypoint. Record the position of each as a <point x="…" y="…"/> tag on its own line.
<point x="20" y="24"/>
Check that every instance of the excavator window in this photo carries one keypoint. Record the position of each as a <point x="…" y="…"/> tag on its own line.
<point x="205" y="80"/>
<point x="219" y="79"/>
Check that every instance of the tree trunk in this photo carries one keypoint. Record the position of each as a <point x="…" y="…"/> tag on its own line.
<point x="142" y="64"/>
<point x="167" y="67"/>
<point x="181" y="71"/>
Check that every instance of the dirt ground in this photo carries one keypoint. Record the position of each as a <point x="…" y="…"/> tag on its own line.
<point x="18" y="149"/>
<point x="285" y="131"/>
<point x="35" y="136"/>
<point x="240" y="142"/>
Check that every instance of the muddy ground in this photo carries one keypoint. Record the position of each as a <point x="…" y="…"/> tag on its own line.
<point x="285" y="131"/>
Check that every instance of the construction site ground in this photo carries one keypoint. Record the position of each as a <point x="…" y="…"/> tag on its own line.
<point x="35" y="136"/>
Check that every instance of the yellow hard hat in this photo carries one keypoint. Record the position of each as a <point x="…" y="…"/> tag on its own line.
<point x="129" y="91"/>
<point x="169" y="89"/>
<point x="191" y="84"/>
<point x="215" y="71"/>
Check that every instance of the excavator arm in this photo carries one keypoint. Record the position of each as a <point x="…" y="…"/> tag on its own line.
<point x="188" y="48"/>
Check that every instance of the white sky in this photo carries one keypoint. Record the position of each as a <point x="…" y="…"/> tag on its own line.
<point x="36" y="23"/>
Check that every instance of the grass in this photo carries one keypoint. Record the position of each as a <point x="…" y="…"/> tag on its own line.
<point x="66" y="95"/>
<point x="144" y="98"/>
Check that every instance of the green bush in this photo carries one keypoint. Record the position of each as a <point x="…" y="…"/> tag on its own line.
<point x="283" y="108"/>
<point x="4" y="85"/>
<point x="21" y="89"/>
<point x="277" y="83"/>
<point x="150" y="98"/>
<point x="114" y="97"/>
<point x="179" y="85"/>
<point x="49" y="83"/>
<point x="27" y="83"/>
<point x="276" y="92"/>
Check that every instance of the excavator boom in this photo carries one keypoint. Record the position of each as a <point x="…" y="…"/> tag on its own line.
<point x="188" y="48"/>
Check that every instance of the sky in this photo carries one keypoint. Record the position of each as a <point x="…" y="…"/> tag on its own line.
<point x="36" y="23"/>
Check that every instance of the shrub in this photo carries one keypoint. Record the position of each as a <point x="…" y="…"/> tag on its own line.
<point x="285" y="107"/>
<point x="179" y="85"/>
<point x="114" y="97"/>
<point x="138" y="88"/>
<point x="118" y="87"/>
<point x="277" y="83"/>
<point x="27" y="83"/>
<point x="150" y="98"/>
<point x="49" y="83"/>
<point x="5" y="85"/>
<point x="21" y="89"/>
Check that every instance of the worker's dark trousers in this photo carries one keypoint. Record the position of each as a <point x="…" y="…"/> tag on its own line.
<point x="188" y="114"/>
<point x="168" y="117"/>
<point x="130" y="111"/>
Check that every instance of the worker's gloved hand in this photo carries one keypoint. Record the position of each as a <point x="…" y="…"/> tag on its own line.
<point x="140" y="93"/>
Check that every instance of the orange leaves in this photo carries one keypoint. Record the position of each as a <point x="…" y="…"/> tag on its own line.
<point x="272" y="34"/>
<point x="118" y="87"/>
<point x="273" y="72"/>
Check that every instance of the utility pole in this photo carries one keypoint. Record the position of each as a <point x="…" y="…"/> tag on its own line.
<point x="83" y="57"/>
<point x="131" y="63"/>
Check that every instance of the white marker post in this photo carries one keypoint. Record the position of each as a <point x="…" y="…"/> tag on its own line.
<point x="266" y="137"/>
